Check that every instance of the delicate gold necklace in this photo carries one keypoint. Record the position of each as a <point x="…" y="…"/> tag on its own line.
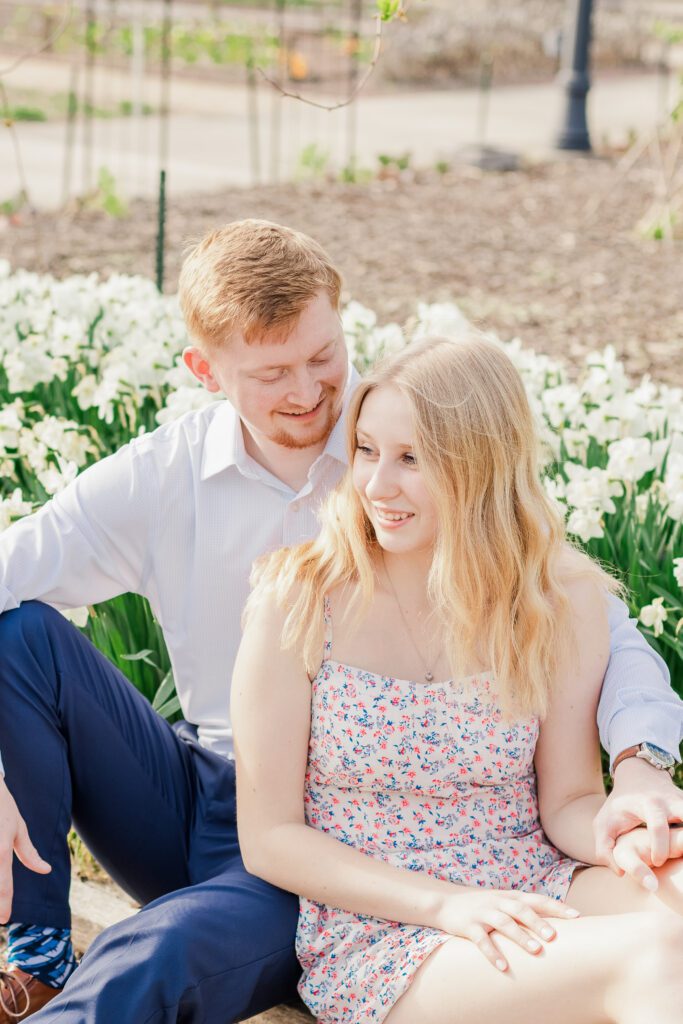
<point x="429" y="675"/>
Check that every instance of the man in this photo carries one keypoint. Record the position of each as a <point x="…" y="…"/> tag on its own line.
<point x="179" y="516"/>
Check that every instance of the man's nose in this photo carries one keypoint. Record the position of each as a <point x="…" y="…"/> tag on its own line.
<point x="305" y="390"/>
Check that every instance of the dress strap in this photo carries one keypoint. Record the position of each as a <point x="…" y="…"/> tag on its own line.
<point x="327" y="619"/>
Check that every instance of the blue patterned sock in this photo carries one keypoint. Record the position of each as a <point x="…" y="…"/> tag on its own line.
<point x="44" y="953"/>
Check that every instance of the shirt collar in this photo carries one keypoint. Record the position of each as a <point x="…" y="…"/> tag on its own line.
<point x="336" y="442"/>
<point x="223" y="443"/>
<point x="224" y="440"/>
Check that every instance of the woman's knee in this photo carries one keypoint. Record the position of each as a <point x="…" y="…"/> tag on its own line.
<point x="656" y="948"/>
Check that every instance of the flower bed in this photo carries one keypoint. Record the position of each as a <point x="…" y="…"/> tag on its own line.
<point x="86" y="364"/>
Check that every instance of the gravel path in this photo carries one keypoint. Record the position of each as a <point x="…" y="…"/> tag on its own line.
<point x="550" y="253"/>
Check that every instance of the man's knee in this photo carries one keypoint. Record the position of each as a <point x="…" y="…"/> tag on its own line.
<point x="28" y="625"/>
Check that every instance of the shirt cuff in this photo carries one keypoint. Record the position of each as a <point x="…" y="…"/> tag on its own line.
<point x="638" y="720"/>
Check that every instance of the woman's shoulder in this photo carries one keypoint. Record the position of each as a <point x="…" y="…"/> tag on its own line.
<point x="585" y="586"/>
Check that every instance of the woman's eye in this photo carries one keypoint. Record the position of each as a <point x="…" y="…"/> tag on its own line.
<point x="270" y="380"/>
<point x="364" y="449"/>
<point x="410" y="459"/>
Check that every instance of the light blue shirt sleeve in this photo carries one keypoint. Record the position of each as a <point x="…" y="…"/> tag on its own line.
<point x="637" y="704"/>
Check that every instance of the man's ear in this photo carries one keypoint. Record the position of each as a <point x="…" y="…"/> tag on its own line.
<point x="198" y="364"/>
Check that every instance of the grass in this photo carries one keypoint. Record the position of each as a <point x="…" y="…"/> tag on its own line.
<point x="33" y="105"/>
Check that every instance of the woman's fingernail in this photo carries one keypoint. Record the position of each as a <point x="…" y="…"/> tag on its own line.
<point x="571" y="912"/>
<point x="501" y="965"/>
<point x="650" y="883"/>
<point x="547" y="933"/>
<point x="531" y="944"/>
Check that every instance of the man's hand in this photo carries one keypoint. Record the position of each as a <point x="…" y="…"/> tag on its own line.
<point x="642" y="795"/>
<point x="633" y="854"/>
<point x="14" y="838"/>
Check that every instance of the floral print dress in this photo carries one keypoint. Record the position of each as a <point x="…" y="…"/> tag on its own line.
<point x="426" y="776"/>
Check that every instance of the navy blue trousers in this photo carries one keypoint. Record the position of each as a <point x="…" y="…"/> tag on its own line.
<point x="212" y="944"/>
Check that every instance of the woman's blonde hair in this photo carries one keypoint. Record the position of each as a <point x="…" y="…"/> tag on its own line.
<point x="496" y="583"/>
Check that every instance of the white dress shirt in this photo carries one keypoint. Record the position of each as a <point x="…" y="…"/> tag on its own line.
<point x="180" y="514"/>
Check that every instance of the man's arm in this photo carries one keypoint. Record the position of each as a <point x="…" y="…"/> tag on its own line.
<point x="88" y="544"/>
<point x="637" y="705"/>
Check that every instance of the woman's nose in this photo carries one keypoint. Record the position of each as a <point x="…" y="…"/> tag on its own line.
<point x="382" y="483"/>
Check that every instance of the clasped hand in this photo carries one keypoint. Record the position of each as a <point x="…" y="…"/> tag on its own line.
<point x="14" y="839"/>
<point x="646" y="800"/>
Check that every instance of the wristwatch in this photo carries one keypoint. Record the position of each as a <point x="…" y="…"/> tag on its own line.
<point x="655" y="756"/>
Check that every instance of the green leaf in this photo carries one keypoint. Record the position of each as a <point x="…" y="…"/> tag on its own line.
<point x="165" y="690"/>
<point x="140" y="656"/>
<point x="169" y="709"/>
<point x="388" y="9"/>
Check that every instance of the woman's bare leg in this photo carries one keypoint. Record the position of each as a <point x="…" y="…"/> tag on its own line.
<point x="599" y="891"/>
<point x="599" y="970"/>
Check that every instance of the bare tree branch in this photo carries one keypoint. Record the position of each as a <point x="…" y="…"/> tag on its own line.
<point x="46" y="44"/>
<point x="377" y="49"/>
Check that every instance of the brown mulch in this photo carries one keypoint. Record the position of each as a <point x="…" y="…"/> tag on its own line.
<point x="550" y="253"/>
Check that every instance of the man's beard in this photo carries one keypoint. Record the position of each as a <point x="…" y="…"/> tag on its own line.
<point x="282" y="436"/>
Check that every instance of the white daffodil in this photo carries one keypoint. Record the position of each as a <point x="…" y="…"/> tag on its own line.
<point x="55" y="478"/>
<point x="673" y="486"/>
<point x="678" y="571"/>
<point x="586" y="524"/>
<point x="34" y="452"/>
<point x="85" y="391"/>
<point x="603" y="382"/>
<point x="183" y="400"/>
<point x="576" y="443"/>
<point x="30" y="364"/>
<point x="603" y="423"/>
<point x="654" y="616"/>
<point x="642" y="506"/>
<point x="560" y="403"/>
<point x="630" y="459"/>
<point x="592" y="488"/>
<point x="13" y="508"/>
<point x="79" y="616"/>
<point x="11" y="423"/>
<point x="441" y="318"/>
<point x="556" y="490"/>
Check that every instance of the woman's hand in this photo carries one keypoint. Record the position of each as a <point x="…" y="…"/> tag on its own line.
<point x="520" y="916"/>
<point x="633" y="854"/>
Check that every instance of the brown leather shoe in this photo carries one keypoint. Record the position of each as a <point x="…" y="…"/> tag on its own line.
<point x="21" y="995"/>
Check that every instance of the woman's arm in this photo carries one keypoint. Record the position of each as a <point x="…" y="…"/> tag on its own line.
<point x="570" y="784"/>
<point x="271" y="719"/>
<point x="271" y="714"/>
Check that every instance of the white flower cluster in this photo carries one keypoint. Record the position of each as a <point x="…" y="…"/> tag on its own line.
<point x="85" y="364"/>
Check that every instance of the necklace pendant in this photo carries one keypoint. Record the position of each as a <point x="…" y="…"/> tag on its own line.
<point x="429" y="677"/>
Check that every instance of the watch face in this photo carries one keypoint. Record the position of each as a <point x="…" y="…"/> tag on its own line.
<point x="662" y="756"/>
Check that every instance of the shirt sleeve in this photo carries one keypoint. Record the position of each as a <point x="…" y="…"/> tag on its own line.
<point x="637" y="703"/>
<point x="90" y="543"/>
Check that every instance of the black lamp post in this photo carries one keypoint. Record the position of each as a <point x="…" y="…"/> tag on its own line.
<point x="576" y="77"/>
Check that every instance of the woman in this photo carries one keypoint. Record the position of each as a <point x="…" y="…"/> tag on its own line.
<point x="432" y="708"/>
